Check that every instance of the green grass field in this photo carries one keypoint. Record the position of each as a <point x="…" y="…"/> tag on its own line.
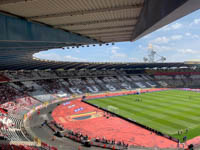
<point x="166" y="111"/>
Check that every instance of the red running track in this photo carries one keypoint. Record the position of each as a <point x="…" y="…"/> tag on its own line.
<point x="112" y="128"/>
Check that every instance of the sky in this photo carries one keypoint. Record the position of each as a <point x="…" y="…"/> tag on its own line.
<point x="178" y="42"/>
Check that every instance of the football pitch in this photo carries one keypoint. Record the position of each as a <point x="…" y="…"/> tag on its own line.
<point x="169" y="111"/>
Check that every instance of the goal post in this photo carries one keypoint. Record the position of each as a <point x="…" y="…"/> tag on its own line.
<point x="113" y="109"/>
<point x="138" y="91"/>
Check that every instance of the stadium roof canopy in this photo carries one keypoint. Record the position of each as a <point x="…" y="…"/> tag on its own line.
<point x="29" y="26"/>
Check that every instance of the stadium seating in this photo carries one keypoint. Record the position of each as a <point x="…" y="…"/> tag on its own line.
<point x="19" y="147"/>
<point x="11" y="128"/>
<point x="28" y="89"/>
<point x="7" y="93"/>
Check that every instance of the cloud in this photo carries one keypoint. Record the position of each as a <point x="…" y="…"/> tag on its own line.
<point x="132" y="59"/>
<point x="57" y="57"/>
<point x="176" y="26"/>
<point x="165" y="28"/>
<point x="188" y="51"/>
<point x="147" y="36"/>
<point x="194" y="36"/>
<point x="77" y="51"/>
<point x="140" y="46"/>
<point x="161" y="40"/>
<point x="116" y="54"/>
<point x="172" y="27"/>
<point x="162" y="48"/>
<point x="115" y="48"/>
<point x="176" y="37"/>
<point x="165" y="40"/>
<point x="187" y="34"/>
<point x="195" y="22"/>
<point x="70" y="58"/>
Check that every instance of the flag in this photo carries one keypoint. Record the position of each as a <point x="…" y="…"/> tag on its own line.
<point x="3" y="111"/>
<point x="25" y="116"/>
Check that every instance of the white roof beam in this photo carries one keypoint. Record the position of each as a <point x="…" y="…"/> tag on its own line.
<point x="102" y="33"/>
<point x="103" y="28"/>
<point x="95" y="22"/>
<point x="7" y="2"/>
<point x="84" y="12"/>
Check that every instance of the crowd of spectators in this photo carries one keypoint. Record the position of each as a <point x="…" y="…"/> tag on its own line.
<point x="112" y="142"/>
<point x="78" y="136"/>
<point x="14" y="100"/>
<point x="7" y="93"/>
<point x="48" y="74"/>
<point x="19" y="147"/>
<point x="49" y="85"/>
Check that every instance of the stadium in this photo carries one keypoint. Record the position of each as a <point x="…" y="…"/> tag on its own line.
<point x="55" y="105"/>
